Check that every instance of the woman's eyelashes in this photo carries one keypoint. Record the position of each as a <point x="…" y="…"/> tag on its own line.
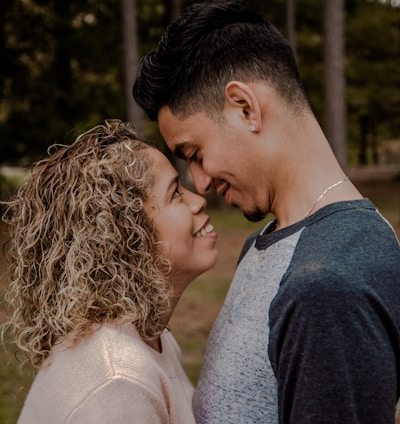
<point x="177" y="191"/>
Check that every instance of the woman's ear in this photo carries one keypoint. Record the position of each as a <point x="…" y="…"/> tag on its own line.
<point x="240" y="95"/>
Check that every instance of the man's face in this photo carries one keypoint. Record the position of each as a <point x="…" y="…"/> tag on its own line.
<point x="220" y="155"/>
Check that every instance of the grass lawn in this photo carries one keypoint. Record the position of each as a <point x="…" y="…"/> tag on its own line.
<point x="14" y="381"/>
<point x="198" y="307"/>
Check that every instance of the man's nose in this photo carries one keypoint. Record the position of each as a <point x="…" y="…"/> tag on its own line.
<point x="202" y="181"/>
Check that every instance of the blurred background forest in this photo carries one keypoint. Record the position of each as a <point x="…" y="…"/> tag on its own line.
<point x="69" y="64"/>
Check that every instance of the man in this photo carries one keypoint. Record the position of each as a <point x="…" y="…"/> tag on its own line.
<point x="310" y="329"/>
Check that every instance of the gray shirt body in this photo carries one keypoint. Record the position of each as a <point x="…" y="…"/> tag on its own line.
<point x="308" y="304"/>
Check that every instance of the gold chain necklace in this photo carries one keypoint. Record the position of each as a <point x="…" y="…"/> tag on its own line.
<point x="322" y="195"/>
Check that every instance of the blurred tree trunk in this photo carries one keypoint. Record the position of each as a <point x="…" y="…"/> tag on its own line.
<point x="61" y="70"/>
<point x="291" y="23"/>
<point x="334" y="79"/>
<point x="131" y="59"/>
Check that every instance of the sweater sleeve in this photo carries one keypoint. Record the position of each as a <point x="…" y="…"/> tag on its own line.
<point x="333" y="352"/>
<point x="121" y="401"/>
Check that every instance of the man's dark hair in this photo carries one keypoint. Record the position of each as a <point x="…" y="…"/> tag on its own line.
<point x="212" y="43"/>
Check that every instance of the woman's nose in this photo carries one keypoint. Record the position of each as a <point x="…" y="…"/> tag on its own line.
<point x="196" y="202"/>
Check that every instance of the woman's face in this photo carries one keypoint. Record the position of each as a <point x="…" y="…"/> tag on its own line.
<point x="180" y="221"/>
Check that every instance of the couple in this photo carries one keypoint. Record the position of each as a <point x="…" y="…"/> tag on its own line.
<point x="106" y="240"/>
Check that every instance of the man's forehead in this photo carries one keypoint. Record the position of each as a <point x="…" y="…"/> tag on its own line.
<point x="174" y="130"/>
<point x="183" y="134"/>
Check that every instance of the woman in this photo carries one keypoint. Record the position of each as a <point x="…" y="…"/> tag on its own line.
<point x="104" y="240"/>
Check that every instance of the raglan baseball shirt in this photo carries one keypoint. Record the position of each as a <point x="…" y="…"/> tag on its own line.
<point x="310" y="328"/>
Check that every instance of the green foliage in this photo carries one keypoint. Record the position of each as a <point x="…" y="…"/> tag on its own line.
<point x="10" y="184"/>
<point x="373" y="63"/>
<point x="62" y="71"/>
<point x="62" y="67"/>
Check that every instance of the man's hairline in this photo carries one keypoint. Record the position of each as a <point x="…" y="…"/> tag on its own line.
<point x="216" y="114"/>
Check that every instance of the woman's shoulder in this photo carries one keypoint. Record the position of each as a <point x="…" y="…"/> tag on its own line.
<point x="123" y="350"/>
<point x="109" y="358"/>
<point x="110" y="352"/>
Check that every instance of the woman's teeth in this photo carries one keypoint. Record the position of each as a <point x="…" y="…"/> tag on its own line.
<point x="209" y="228"/>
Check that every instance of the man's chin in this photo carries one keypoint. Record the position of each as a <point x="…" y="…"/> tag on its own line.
<point x="255" y="216"/>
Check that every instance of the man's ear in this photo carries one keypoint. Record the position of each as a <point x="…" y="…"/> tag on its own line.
<point x="240" y="95"/>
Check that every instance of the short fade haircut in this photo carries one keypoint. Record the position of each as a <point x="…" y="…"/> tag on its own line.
<point x="210" y="44"/>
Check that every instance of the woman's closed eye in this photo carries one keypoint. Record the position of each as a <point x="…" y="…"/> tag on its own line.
<point x="177" y="194"/>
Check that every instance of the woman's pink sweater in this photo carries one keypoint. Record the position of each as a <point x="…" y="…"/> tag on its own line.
<point x="111" y="377"/>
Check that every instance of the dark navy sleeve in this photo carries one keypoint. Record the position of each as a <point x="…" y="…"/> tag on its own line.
<point x="335" y="337"/>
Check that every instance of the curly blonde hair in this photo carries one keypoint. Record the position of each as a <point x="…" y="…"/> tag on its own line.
<point x="82" y="250"/>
